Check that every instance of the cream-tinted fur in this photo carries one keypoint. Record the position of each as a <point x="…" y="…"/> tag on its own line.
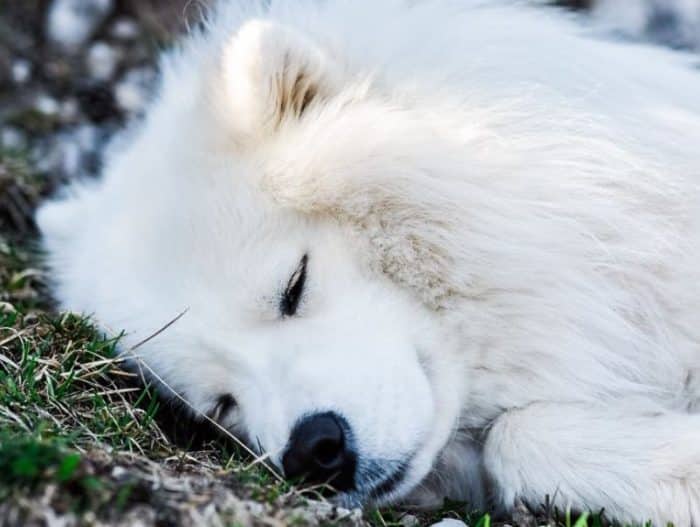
<point x="501" y="216"/>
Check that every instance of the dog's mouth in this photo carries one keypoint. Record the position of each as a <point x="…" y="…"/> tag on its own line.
<point x="386" y="487"/>
<point x="377" y="483"/>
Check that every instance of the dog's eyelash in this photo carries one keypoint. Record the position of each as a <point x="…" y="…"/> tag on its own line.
<point x="294" y="290"/>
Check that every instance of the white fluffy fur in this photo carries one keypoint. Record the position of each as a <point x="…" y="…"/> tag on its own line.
<point x="501" y="215"/>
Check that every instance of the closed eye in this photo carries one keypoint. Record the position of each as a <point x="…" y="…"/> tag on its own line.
<point x="293" y="293"/>
<point x="225" y="404"/>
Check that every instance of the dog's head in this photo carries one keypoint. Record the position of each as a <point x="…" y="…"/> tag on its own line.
<point x="293" y="210"/>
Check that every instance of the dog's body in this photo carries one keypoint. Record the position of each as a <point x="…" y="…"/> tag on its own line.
<point x="499" y="218"/>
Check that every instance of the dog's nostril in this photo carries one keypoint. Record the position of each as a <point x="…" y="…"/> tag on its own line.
<point x="328" y="453"/>
<point x="318" y="452"/>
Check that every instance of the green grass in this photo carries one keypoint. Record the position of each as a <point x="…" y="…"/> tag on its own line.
<point x="27" y="462"/>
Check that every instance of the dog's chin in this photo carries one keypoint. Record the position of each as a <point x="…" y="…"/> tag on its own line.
<point x="384" y="483"/>
<point x="382" y="491"/>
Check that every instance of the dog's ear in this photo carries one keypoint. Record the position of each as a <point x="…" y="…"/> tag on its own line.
<point x="271" y="74"/>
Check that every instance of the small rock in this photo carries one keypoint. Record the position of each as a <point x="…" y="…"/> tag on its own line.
<point x="47" y="105"/>
<point x="449" y="522"/>
<point x="124" y="29"/>
<point x="30" y="318"/>
<point x="119" y="472"/>
<point x="134" y="90"/>
<point x="69" y="111"/>
<point x="409" y="520"/>
<point x="102" y="60"/>
<point x="6" y="307"/>
<point x="138" y="516"/>
<point x="323" y="513"/>
<point x="12" y="139"/>
<point x="72" y="22"/>
<point x="21" y="71"/>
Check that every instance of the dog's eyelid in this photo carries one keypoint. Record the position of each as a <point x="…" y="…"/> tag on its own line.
<point x="295" y="289"/>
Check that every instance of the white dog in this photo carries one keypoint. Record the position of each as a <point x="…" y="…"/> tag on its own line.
<point x="426" y="249"/>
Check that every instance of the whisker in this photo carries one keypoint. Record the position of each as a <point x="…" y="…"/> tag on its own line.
<point x="258" y="459"/>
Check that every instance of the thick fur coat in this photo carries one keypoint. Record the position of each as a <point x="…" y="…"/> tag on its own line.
<point x="501" y="218"/>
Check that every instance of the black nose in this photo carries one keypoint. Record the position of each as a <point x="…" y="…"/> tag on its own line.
<point x="318" y="452"/>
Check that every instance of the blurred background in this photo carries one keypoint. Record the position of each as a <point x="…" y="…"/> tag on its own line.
<point x="71" y="72"/>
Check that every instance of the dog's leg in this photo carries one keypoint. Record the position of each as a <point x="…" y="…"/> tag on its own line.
<point x="637" y="464"/>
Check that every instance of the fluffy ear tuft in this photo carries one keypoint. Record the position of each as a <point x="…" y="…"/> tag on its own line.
<point x="271" y="74"/>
